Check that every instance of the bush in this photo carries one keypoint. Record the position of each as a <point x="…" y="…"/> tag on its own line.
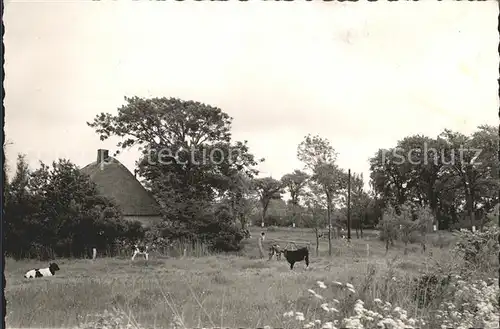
<point x="430" y="286"/>
<point x="477" y="248"/>
<point x="211" y="227"/>
<point x="57" y="211"/>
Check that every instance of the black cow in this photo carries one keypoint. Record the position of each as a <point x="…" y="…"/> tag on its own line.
<point x="293" y="256"/>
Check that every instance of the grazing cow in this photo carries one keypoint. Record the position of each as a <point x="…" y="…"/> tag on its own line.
<point x="293" y="256"/>
<point x="38" y="273"/>
<point x="141" y="249"/>
<point x="275" y="249"/>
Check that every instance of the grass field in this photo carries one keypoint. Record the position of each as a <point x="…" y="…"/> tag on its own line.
<point x="216" y="290"/>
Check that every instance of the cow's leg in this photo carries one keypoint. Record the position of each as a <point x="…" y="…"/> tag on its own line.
<point x="146" y="255"/>
<point x="307" y="260"/>
<point x="135" y="254"/>
<point x="291" y="265"/>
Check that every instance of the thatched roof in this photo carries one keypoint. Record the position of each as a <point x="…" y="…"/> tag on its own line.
<point x="116" y="182"/>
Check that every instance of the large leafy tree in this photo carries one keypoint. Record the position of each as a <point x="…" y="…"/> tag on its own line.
<point x="18" y="204"/>
<point x="360" y="202"/>
<point x="295" y="183"/>
<point x="472" y="163"/>
<point x="188" y="156"/>
<point x="316" y="205"/>
<point x="267" y="189"/>
<point x="391" y="180"/>
<point x="451" y="174"/>
<point x="240" y="197"/>
<point x="319" y="158"/>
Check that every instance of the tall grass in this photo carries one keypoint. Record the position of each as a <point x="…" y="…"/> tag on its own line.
<point x="227" y="290"/>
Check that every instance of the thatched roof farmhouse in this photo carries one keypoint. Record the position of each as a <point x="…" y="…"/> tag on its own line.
<point x="116" y="182"/>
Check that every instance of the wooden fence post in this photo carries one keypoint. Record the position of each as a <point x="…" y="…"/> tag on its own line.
<point x="261" y="248"/>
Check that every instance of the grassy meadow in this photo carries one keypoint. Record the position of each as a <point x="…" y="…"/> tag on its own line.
<point x="217" y="290"/>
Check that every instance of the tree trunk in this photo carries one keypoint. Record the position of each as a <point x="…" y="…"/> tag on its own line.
<point x="469" y="203"/>
<point x="317" y="240"/>
<point x="361" y="226"/>
<point x="471" y="211"/>
<point x="243" y="221"/>
<point x="329" y="224"/>
<point x="424" y="241"/>
<point x="264" y="211"/>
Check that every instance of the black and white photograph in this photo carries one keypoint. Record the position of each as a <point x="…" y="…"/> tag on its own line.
<point x="251" y="164"/>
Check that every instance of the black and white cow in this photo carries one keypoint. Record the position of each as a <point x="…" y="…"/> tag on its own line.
<point x="140" y="249"/>
<point x="38" y="273"/>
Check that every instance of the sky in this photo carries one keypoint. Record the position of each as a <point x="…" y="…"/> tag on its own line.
<point x="363" y="75"/>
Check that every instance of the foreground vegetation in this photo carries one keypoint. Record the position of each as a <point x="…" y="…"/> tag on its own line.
<point x="245" y="291"/>
<point x="403" y="275"/>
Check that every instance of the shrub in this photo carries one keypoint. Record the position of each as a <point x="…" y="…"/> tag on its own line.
<point x="477" y="248"/>
<point x="430" y="286"/>
<point x="58" y="211"/>
<point x="211" y="227"/>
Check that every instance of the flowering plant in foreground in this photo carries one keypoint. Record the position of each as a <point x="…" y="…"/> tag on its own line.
<point x="473" y="305"/>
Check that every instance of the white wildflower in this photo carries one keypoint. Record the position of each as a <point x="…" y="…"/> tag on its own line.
<point x="299" y="316"/>
<point x="288" y="314"/>
<point x="328" y="325"/>
<point x="321" y="284"/>
<point x="348" y="285"/>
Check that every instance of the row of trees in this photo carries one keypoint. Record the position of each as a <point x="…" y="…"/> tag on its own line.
<point x="206" y="182"/>
<point x="455" y="175"/>
<point x="57" y="210"/>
